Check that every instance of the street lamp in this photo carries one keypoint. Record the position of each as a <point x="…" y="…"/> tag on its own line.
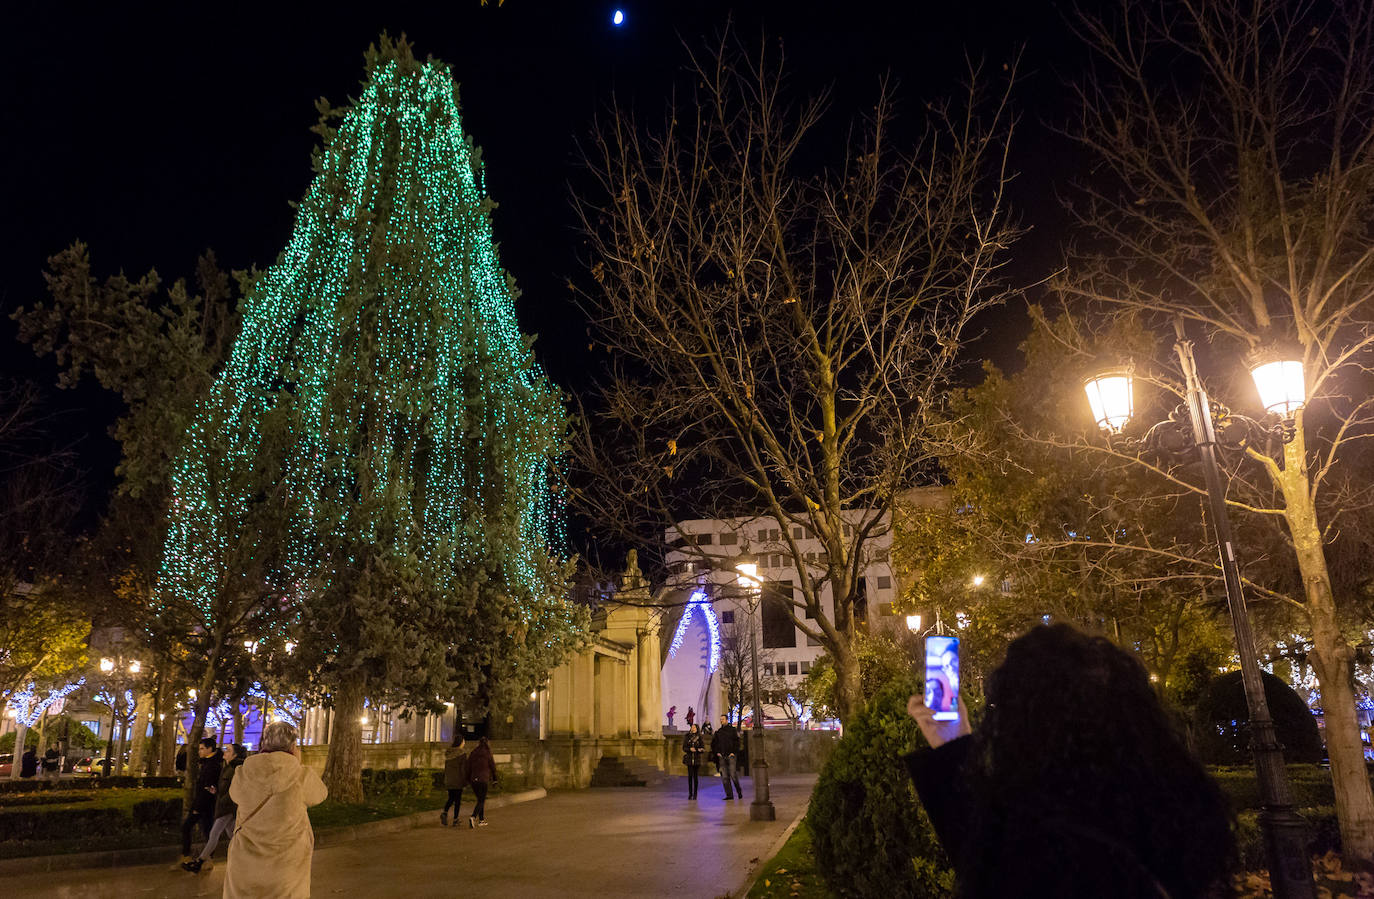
<point x="109" y="666"/>
<point x="1281" y="388"/>
<point x="761" y="809"/>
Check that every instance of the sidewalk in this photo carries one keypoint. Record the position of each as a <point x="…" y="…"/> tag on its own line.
<point x="606" y="842"/>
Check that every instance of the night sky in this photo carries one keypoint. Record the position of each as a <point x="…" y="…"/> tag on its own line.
<point x="153" y="135"/>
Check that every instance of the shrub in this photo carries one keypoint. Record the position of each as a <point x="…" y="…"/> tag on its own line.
<point x="156" y="812"/>
<point x="61" y="824"/>
<point x="399" y="781"/>
<point x="869" y="834"/>
<point x="1223" y="722"/>
<point x="1310" y="786"/>
<point x="1325" y="836"/>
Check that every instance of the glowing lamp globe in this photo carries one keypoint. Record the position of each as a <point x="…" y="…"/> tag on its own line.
<point x="913" y="623"/>
<point x="748" y="568"/>
<point x="107" y="665"/>
<point x="618" y="17"/>
<point x="1110" y="396"/>
<point x="1281" y="386"/>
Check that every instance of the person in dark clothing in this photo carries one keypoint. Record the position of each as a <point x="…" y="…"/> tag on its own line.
<point x="28" y="763"/>
<point x="455" y="777"/>
<point x="481" y="774"/>
<point x="226" y="810"/>
<point x="181" y="759"/>
<point x="203" y="805"/>
<point x="693" y="748"/>
<point x="1076" y="782"/>
<point x="51" y="758"/>
<point x="725" y="750"/>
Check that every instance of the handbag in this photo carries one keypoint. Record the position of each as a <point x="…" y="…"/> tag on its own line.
<point x="238" y="825"/>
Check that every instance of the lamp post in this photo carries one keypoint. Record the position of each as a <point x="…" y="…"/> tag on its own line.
<point x="1281" y="387"/>
<point x="761" y="809"/>
<point x="109" y="667"/>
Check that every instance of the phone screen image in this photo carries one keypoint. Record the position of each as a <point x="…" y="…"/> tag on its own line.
<point x="942" y="677"/>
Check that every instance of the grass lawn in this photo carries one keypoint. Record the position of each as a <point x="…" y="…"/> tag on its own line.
<point x="792" y="872"/>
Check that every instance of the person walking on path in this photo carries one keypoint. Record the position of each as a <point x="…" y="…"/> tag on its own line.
<point x="269" y="854"/>
<point x="691" y="716"/>
<point x="693" y="748"/>
<point x="28" y="763"/>
<point x="203" y="802"/>
<point x="225" y="809"/>
<point x="725" y="749"/>
<point x="455" y="778"/>
<point x="50" y="762"/>
<point x="481" y="774"/>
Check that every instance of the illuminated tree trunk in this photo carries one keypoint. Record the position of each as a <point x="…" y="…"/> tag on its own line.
<point x="1334" y="659"/>
<point x="344" y="765"/>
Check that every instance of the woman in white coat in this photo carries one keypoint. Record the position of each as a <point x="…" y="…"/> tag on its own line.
<point x="269" y="855"/>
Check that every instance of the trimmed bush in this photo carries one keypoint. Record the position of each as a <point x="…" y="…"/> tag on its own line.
<point x="1310" y="785"/>
<point x="122" y="781"/>
<point x="156" y="812"/>
<point x="870" y="835"/>
<point x="1223" y="722"/>
<point x="61" y="824"/>
<point x="400" y="781"/>
<point x="1325" y="836"/>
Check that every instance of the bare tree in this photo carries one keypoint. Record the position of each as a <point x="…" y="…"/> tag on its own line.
<point x="1234" y="187"/>
<point x="779" y="329"/>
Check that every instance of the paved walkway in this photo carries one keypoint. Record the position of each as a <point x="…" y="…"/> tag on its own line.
<point x="648" y="842"/>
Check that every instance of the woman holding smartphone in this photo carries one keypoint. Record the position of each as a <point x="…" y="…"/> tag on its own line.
<point x="1075" y="784"/>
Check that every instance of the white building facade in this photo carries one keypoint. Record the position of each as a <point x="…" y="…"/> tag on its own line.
<point x="715" y="603"/>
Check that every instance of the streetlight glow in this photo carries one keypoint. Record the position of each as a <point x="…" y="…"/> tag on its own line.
<point x="913" y="623"/>
<point x="107" y="666"/>
<point x="135" y="666"/>
<point x="1282" y="388"/>
<point x="1110" y="396"/>
<point x="978" y="580"/>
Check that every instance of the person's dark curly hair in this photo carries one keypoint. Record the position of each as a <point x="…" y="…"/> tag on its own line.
<point x="1083" y="787"/>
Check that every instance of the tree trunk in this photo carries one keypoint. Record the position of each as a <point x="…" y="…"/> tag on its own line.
<point x="1334" y="661"/>
<point x="849" y="699"/>
<point x="343" y="768"/>
<point x="21" y="735"/>
<point x="139" y="743"/>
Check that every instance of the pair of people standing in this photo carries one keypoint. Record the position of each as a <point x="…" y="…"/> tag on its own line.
<point x="724" y="749"/>
<point x="478" y="769"/>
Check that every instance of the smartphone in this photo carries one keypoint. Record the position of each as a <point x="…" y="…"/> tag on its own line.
<point x="942" y="677"/>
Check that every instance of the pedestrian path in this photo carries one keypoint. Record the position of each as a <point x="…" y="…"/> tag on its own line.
<point x="638" y="842"/>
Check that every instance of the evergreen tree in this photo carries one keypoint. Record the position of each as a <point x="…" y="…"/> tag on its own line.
<point x="418" y="554"/>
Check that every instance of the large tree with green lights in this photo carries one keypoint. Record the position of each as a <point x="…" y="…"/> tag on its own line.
<point x="417" y="557"/>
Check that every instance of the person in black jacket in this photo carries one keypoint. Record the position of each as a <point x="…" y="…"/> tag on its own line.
<point x="725" y="750"/>
<point x="481" y="771"/>
<point x="455" y="777"/>
<point x="1075" y="784"/>
<point x="226" y="810"/>
<point x="28" y="763"/>
<point x="693" y="748"/>
<point x="203" y="805"/>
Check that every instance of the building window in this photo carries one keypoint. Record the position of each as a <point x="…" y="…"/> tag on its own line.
<point x="805" y="667"/>
<point x="767" y="668"/>
<point x="884" y="582"/>
<point x="778" y="630"/>
<point x="797" y="532"/>
<point x="791" y="667"/>
<point x="885" y="608"/>
<point x="728" y="538"/>
<point x="705" y="539"/>
<point x="727" y="617"/>
<point x="93" y="725"/>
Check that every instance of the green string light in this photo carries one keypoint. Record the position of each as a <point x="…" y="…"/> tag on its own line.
<point x="388" y="329"/>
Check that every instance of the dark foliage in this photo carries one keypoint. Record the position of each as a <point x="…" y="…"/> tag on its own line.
<point x="1223" y="723"/>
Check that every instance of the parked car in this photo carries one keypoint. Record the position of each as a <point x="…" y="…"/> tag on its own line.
<point x="87" y="765"/>
<point x="6" y="764"/>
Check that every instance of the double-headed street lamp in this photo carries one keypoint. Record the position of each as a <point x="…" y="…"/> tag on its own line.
<point x="1282" y="392"/>
<point x="761" y="809"/>
<point x="114" y="669"/>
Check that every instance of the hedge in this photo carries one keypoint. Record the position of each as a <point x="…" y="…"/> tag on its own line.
<point x="120" y="781"/>
<point x="1310" y="786"/>
<point x="1223" y="722"/>
<point x="63" y="824"/>
<point x="402" y="781"/>
<point x="869" y="834"/>
<point x="1325" y="836"/>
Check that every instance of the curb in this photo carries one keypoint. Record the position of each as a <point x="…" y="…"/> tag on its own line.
<point x="753" y="876"/>
<point x="151" y="855"/>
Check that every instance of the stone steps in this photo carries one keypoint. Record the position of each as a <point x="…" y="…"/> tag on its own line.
<point x="625" y="771"/>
